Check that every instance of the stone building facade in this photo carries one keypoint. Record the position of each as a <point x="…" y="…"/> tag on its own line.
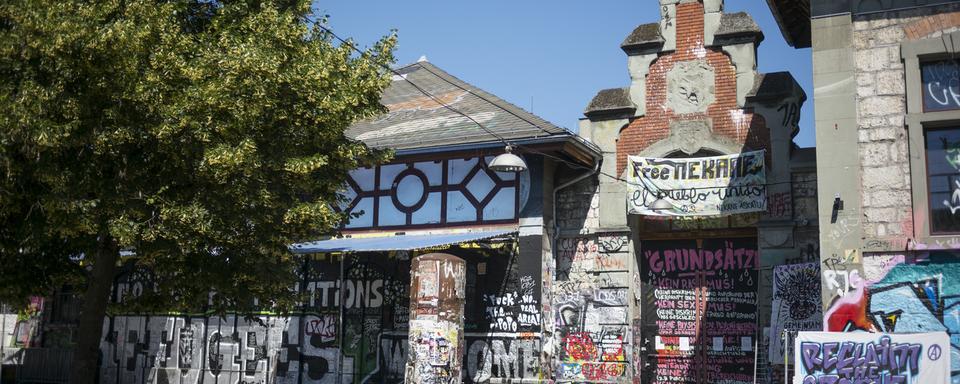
<point x="886" y="113"/>
<point x="628" y="300"/>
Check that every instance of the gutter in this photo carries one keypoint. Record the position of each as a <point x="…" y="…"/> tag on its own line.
<point x="561" y="138"/>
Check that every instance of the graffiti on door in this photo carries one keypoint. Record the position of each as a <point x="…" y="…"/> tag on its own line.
<point x="699" y="310"/>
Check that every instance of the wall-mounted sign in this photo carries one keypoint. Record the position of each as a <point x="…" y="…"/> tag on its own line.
<point x="702" y="186"/>
<point x="860" y="357"/>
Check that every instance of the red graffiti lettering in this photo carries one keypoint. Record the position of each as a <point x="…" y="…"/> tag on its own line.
<point x="580" y="346"/>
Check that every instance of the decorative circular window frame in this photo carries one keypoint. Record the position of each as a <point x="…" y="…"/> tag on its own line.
<point x="394" y="195"/>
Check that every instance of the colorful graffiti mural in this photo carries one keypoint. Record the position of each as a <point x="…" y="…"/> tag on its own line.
<point x="911" y="293"/>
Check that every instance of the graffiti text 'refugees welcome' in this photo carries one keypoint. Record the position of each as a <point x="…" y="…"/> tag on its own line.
<point x="852" y="362"/>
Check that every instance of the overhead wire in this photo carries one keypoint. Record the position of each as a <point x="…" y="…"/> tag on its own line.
<point x="353" y="46"/>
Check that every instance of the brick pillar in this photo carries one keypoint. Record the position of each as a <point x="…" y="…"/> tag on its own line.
<point x="437" y="294"/>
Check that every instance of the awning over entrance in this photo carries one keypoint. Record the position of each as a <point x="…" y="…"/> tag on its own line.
<point x="394" y="243"/>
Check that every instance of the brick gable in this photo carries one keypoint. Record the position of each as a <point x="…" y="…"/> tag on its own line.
<point x="728" y="119"/>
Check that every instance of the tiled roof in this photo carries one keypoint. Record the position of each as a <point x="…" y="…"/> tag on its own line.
<point x="416" y="121"/>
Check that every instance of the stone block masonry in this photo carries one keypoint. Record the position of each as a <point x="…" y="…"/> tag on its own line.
<point x="881" y="107"/>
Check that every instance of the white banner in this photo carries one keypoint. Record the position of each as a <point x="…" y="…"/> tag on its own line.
<point x="702" y="186"/>
<point x="796" y="305"/>
<point x="881" y="358"/>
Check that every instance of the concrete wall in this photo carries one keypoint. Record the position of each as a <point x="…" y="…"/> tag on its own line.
<point x="591" y="295"/>
<point x="861" y="102"/>
<point x="838" y="166"/>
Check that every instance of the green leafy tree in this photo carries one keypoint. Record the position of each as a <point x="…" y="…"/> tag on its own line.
<point x="203" y="136"/>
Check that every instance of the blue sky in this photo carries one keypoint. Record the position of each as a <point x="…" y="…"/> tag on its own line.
<point x="549" y="57"/>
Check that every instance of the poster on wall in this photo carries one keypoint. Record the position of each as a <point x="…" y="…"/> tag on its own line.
<point x="796" y="305"/>
<point x="701" y="186"/>
<point x="699" y="320"/>
<point x="861" y="357"/>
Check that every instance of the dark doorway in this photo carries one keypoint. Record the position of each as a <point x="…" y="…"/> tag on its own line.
<point x="699" y="310"/>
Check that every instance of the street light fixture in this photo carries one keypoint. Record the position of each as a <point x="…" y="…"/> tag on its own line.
<point x="661" y="205"/>
<point x="508" y="162"/>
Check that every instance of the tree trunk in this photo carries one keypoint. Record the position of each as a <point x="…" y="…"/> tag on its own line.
<point x="92" y="312"/>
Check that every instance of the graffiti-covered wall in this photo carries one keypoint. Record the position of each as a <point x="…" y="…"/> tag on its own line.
<point x="590" y="302"/>
<point x="695" y="92"/>
<point x="501" y="327"/>
<point x="904" y="293"/>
